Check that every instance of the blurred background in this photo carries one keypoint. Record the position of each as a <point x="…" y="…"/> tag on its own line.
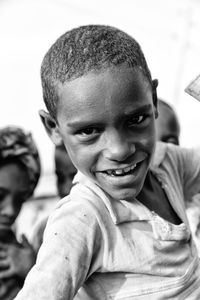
<point x="168" y="32"/>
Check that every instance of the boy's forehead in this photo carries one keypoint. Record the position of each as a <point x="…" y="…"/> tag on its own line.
<point x="102" y="84"/>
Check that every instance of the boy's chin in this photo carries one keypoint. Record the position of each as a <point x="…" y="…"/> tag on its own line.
<point x="127" y="194"/>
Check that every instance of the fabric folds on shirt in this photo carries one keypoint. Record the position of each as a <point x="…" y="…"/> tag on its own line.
<point x="98" y="248"/>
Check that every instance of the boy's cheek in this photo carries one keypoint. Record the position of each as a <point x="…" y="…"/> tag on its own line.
<point x="81" y="159"/>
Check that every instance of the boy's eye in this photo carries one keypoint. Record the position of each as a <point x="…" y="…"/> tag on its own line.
<point x="136" y="120"/>
<point x="88" y="134"/>
<point x="88" y="131"/>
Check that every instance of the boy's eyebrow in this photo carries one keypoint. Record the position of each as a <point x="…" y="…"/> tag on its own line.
<point x="131" y="111"/>
<point x="79" y="124"/>
<point x="141" y="109"/>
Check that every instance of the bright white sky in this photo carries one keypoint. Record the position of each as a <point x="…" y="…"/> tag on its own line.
<point x="168" y="32"/>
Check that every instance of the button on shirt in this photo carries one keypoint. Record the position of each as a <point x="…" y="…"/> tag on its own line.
<point x="97" y="248"/>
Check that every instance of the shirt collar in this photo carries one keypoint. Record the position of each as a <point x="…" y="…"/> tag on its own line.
<point x="120" y="210"/>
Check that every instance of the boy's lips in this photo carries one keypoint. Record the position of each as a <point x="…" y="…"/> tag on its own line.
<point x="122" y="178"/>
<point x="123" y="169"/>
<point x="120" y="171"/>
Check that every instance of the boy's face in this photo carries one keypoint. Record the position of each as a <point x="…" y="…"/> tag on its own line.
<point x="106" y="122"/>
<point x="167" y="126"/>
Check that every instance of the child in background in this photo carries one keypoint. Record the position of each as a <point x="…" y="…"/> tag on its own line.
<point x="36" y="211"/>
<point x="19" y="174"/>
<point x="167" y="124"/>
<point x="168" y="131"/>
<point x="65" y="172"/>
<point x="122" y="233"/>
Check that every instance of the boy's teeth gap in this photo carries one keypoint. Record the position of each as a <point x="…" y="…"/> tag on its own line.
<point x="121" y="172"/>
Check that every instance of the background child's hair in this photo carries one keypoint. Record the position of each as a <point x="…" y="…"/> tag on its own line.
<point x="85" y="49"/>
<point x="161" y="102"/>
<point x="18" y="146"/>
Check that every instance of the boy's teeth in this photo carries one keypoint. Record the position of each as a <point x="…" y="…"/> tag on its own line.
<point x="127" y="169"/>
<point x="109" y="172"/>
<point x="121" y="171"/>
<point x="133" y="167"/>
<point x="118" y="172"/>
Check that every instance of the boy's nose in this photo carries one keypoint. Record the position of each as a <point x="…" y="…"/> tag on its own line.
<point x="117" y="147"/>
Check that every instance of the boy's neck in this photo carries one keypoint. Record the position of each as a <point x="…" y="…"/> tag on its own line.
<point x="155" y="199"/>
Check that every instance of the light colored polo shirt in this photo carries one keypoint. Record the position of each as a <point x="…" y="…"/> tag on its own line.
<point x="97" y="248"/>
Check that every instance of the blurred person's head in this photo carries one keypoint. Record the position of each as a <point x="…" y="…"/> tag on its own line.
<point x="64" y="170"/>
<point x="167" y="124"/>
<point x="19" y="173"/>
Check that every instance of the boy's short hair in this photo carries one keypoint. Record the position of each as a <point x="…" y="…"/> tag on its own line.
<point x="84" y="49"/>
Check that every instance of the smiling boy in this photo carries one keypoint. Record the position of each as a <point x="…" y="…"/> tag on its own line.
<point x="99" y="121"/>
<point x="122" y="233"/>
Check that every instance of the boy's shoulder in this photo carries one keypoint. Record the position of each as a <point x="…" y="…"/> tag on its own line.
<point x="170" y="153"/>
<point x="86" y="199"/>
<point x="167" y="150"/>
<point x="160" y="152"/>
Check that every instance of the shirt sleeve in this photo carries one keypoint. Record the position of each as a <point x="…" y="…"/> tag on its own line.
<point x="191" y="173"/>
<point x="70" y="240"/>
<point x="188" y="163"/>
<point x="38" y="232"/>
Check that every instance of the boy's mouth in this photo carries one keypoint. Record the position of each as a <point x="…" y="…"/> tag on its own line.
<point x="121" y="171"/>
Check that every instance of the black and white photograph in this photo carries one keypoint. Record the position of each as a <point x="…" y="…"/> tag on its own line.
<point x="99" y="150"/>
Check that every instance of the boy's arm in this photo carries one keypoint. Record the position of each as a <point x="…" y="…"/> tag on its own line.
<point x="64" y="258"/>
<point x="38" y="232"/>
<point x="191" y="172"/>
<point x="184" y="163"/>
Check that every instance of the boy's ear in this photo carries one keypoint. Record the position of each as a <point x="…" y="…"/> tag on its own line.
<point x="51" y="127"/>
<point x="155" y="98"/>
